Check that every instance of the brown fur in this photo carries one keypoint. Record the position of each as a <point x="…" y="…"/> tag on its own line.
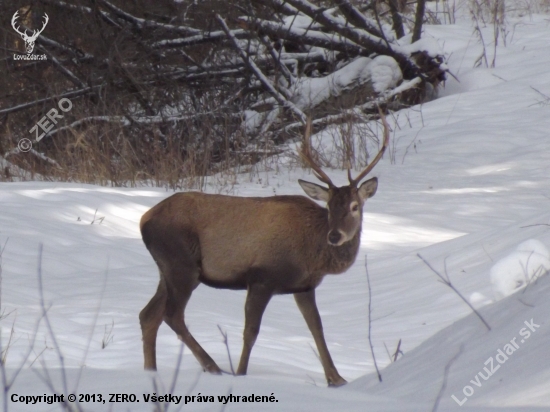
<point x="272" y="245"/>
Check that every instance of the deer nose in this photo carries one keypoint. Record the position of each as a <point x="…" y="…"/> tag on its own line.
<point x="334" y="237"/>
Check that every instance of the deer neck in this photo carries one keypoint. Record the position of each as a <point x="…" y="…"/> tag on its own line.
<point x="333" y="259"/>
<point x="338" y="259"/>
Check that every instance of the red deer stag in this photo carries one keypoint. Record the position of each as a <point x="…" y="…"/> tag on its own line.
<point x="267" y="245"/>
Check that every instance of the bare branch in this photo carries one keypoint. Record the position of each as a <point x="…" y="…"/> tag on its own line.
<point x="278" y="61"/>
<point x="259" y="75"/>
<point x="63" y="70"/>
<point x="74" y="93"/>
<point x="397" y="351"/>
<point x="449" y="284"/>
<point x="148" y="23"/>
<point x="211" y="37"/>
<point x="445" y="376"/>
<point x="356" y="18"/>
<point x="327" y="41"/>
<point x="226" y="343"/>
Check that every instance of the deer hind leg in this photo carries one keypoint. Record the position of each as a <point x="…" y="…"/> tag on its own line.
<point x="256" y="301"/>
<point x="178" y="296"/>
<point x="150" y="319"/>
<point x="308" y="307"/>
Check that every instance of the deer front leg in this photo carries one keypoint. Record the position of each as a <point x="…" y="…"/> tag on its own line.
<point x="308" y="307"/>
<point x="256" y="301"/>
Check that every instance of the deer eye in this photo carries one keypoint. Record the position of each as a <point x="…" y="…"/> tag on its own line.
<point x="354" y="207"/>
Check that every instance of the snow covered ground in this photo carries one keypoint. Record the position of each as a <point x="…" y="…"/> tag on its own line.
<point x="469" y="185"/>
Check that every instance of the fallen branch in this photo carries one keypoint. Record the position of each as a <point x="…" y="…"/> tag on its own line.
<point x="371" y="43"/>
<point x="259" y="75"/>
<point x="323" y="122"/>
<point x="143" y="23"/>
<point x="129" y="120"/>
<point x="327" y="41"/>
<point x="357" y="18"/>
<point x="74" y="93"/>
<point x="62" y="69"/>
<point x="199" y="39"/>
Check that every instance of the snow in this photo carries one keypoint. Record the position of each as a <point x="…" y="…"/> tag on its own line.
<point x="382" y="71"/>
<point x="426" y="44"/>
<point x="524" y="265"/>
<point x="300" y="21"/>
<point x="467" y="189"/>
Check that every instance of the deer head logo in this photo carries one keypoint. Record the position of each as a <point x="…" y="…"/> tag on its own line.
<point x="29" y="40"/>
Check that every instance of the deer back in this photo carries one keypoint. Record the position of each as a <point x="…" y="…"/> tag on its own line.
<point x="280" y="240"/>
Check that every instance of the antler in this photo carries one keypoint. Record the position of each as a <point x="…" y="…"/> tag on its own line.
<point x="14" y="21"/>
<point x="305" y="154"/>
<point x="354" y="182"/>
<point x="24" y="34"/>
<point x="35" y="33"/>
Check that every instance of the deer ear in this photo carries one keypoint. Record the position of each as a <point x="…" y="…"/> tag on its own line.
<point x="368" y="188"/>
<point x="314" y="191"/>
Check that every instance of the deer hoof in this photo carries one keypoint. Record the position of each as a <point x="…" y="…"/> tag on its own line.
<point x="337" y="382"/>
<point x="213" y="369"/>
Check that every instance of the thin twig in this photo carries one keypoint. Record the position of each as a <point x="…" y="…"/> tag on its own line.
<point x="99" y="219"/>
<point x="8" y="383"/>
<point x="226" y="342"/>
<point x="369" y="335"/>
<point x="488" y="255"/>
<point x="388" y="352"/>
<point x="47" y="321"/>
<point x="397" y="351"/>
<point x="445" y="376"/>
<point x="73" y="93"/>
<point x="94" y="324"/>
<point x="176" y="371"/>
<point x="5" y="351"/>
<point x="413" y="142"/>
<point x="448" y="283"/>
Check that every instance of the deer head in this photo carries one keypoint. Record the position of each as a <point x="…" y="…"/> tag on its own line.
<point x="344" y="204"/>
<point x="29" y="40"/>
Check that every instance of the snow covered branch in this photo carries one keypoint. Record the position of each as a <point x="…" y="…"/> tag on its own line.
<point x="259" y="68"/>
<point x="261" y="77"/>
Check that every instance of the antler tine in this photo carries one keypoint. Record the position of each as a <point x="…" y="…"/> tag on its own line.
<point x="305" y="154"/>
<point x="14" y="22"/>
<point x="378" y="156"/>
<point x="46" y="20"/>
<point x="35" y="33"/>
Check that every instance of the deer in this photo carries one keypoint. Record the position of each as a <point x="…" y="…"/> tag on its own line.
<point x="29" y="40"/>
<point x="265" y="245"/>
